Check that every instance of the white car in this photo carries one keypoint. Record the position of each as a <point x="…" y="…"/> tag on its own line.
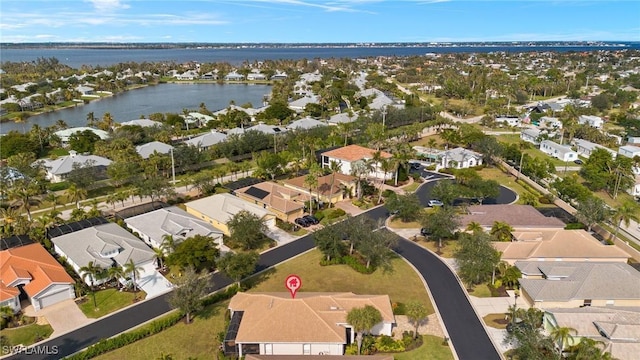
<point x="434" y="202"/>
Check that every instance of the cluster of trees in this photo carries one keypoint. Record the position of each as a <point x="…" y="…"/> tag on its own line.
<point x="602" y="172"/>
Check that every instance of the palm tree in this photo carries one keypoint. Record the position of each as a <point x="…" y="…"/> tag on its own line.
<point x="501" y="231"/>
<point x="53" y="199"/>
<point x="131" y="268"/>
<point x="386" y="165"/>
<point x="24" y="192"/>
<point x="335" y="167"/>
<point x="94" y="272"/>
<point x="624" y="213"/>
<point x="311" y="180"/>
<point x="475" y="227"/>
<point x="159" y="255"/>
<point x="75" y="194"/>
<point x="562" y="335"/>
<point x="362" y="320"/>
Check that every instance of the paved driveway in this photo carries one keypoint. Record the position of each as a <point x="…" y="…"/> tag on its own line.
<point x="152" y="282"/>
<point x="63" y="316"/>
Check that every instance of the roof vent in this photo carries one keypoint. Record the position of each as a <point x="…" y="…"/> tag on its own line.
<point x="333" y="308"/>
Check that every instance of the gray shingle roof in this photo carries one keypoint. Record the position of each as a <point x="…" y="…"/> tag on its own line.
<point x="64" y="164"/>
<point x="145" y="150"/>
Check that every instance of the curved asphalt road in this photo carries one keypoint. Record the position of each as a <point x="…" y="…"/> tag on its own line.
<point x="465" y="330"/>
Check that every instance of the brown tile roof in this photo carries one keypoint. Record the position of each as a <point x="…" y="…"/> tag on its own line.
<point x="353" y="153"/>
<point x="31" y="262"/>
<point x="565" y="244"/>
<point x="518" y="216"/>
<point x="279" y="197"/>
<point x="310" y="317"/>
<point x="324" y="183"/>
<point x="7" y="293"/>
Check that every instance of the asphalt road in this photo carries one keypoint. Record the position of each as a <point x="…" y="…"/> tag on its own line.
<point x="467" y="334"/>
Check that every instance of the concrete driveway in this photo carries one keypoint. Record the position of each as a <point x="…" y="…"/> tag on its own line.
<point x="63" y="317"/>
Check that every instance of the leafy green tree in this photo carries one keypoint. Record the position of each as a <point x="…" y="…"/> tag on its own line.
<point x="596" y="169"/>
<point x="270" y="164"/>
<point x="446" y="191"/>
<point x="190" y="288"/>
<point x="501" y="231"/>
<point x="329" y="240"/>
<point x="14" y="143"/>
<point x="83" y="175"/>
<point x="84" y="141"/>
<point x="247" y="230"/>
<point x="25" y="192"/>
<point x="362" y="320"/>
<point x="75" y="194"/>
<point x="407" y="206"/>
<point x="441" y="223"/>
<point x="278" y="110"/>
<point x="238" y="266"/>
<point x="199" y="252"/>
<point x="569" y="189"/>
<point x="592" y="211"/>
<point x="476" y="257"/>
<point x="375" y="249"/>
<point x="417" y="314"/>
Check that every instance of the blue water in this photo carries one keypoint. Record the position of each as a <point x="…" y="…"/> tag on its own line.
<point x="106" y="57"/>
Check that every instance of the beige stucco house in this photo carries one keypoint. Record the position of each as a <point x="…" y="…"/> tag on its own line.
<point x="342" y="186"/>
<point x="286" y="203"/>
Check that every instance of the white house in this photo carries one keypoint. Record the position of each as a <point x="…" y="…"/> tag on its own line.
<point x="32" y="270"/>
<point x="305" y="124"/>
<point x="154" y="226"/>
<point x="531" y="135"/>
<point x="142" y="123"/>
<point x="207" y="140"/>
<point x="591" y="120"/>
<point x="65" y="134"/>
<point x="633" y="140"/>
<point x="59" y="169"/>
<point x="459" y="158"/>
<point x="585" y="148"/>
<point x="635" y="190"/>
<point x="347" y="156"/>
<point x="508" y="120"/>
<point x="148" y="149"/>
<point x="299" y="105"/>
<point x="562" y="152"/>
<point x="549" y="122"/>
<point x="629" y="151"/>
<point x="316" y="323"/>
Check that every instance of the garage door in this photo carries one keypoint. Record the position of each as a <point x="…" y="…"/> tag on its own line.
<point x="54" y="298"/>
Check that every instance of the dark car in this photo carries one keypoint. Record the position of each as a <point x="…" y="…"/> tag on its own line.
<point x="311" y="219"/>
<point x="425" y="232"/>
<point x="578" y="161"/>
<point x="415" y="166"/>
<point x="302" y="222"/>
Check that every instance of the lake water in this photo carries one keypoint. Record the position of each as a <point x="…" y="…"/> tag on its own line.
<point x="163" y="98"/>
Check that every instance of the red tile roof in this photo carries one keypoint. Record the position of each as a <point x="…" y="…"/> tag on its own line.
<point x="354" y="153"/>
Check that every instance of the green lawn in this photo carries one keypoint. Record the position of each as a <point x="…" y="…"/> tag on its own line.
<point x="481" y="290"/>
<point x="396" y="223"/>
<point x="26" y="335"/>
<point x="412" y="187"/>
<point x="198" y="339"/>
<point x="533" y="152"/>
<point x="433" y="348"/>
<point x="449" y="247"/>
<point x="108" y="301"/>
<point x="498" y="321"/>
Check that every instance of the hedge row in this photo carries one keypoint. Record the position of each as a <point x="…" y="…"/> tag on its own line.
<point x="351" y="261"/>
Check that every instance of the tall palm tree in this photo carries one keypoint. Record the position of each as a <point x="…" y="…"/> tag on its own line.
<point x="362" y="320"/>
<point x="159" y="255"/>
<point x="94" y="272"/>
<point x="624" y="214"/>
<point x="116" y="273"/>
<point x="562" y="336"/>
<point x="25" y="192"/>
<point x="311" y="180"/>
<point x="53" y="199"/>
<point x="386" y="165"/>
<point x="134" y="271"/>
<point x="75" y="194"/>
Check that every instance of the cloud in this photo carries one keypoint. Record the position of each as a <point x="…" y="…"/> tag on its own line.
<point x="328" y="6"/>
<point x="108" y="5"/>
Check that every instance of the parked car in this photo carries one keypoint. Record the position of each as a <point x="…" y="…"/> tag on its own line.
<point x="578" y="161"/>
<point x="311" y="219"/>
<point x="434" y="202"/>
<point x="302" y="222"/>
<point x="425" y="232"/>
<point x="415" y="166"/>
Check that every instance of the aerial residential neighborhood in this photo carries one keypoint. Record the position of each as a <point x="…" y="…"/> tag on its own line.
<point x="425" y="209"/>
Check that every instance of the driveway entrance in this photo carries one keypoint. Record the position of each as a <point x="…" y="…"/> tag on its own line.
<point x="63" y="317"/>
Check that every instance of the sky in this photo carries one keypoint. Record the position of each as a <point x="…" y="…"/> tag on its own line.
<point x="317" y="21"/>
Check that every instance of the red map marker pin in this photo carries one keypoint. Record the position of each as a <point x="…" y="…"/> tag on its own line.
<point x="293" y="283"/>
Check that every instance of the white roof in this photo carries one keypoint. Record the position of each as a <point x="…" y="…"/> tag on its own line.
<point x="222" y="207"/>
<point x="65" y="134"/>
<point x="206" y="140"/>
<point x="342" y="118"/>
<point x="305" y="123"/>
<point x="145" y="150"/>
<point x="142" y="123"/>
<point x="64" y="164"/>
<point x="460" y="154"/>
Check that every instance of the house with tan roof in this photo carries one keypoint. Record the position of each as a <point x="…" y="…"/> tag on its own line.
<point x="310" y="324"/>
<point x="520" y="217"/>
<point x="218" y="209"/>
<point x="343" y="185"/>
<point x="286" y="203"/>
<point x="566" y="284"/>
<point x="32" y="272"/>
<point x="558" y="245"/>
<point x="348" y="155"/>
<point x="616" y="327"/>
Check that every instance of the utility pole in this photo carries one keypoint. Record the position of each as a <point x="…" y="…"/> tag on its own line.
<point x="384" y="116"/>
<point x="173" y="167"/>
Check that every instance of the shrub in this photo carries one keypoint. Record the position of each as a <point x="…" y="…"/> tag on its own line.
<point x="574" y="226"/>
<point x="357" y="265"/>
<point x="389" y="192"/>
<point x="286" y="226"/>
<point x="352" y="349"/>
<point x="320" y="214"/>
<point x="386" y="344"/>
<point x="336" y="213"/>
<point x="398" y="308"/>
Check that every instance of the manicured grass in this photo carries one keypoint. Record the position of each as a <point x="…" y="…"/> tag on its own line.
<point x="494" y="173"/>
<point x="497" y="321"/>
<point x="412" y="187"/>
<point x="198" y="339"/>
<point x="425" y="141"/>
<point x="108" y="301"/>
<point x="481" y="290"/>
<point x="299" y="232"/>
<point x="533" y="152"/>
<point x="402" y="285"/>
<point x="449" y="247"/>
<point x="26" y="335"/>
<point x="433" y="348"/>
<point x="396" y="223"/>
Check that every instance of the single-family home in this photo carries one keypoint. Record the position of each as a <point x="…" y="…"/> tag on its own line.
<point x="207" y="140"/>
<point x="563" y="284"/>
<point x="188" y="75"/>
<point x="561" y="152"/>
<point x="59" y="169"/>
<point x="585" y="148"/>
<point x="549" y="122"/>
<point x="105" y="245"/>
<point x="256" y="76"/>
<point x="305" y="124"/>
<point x="591" y="120"/>
<point x="316" y="322"/>
<point x="218" y="209"/>
<point x="286" y="203"/>
<point x="377" y="100"/>
<point x="347" y="156"/>
<point x="531" y="135"/>
<point x="156" y="226"/>
<point x="279" y="75"/>
<point x="520" y="217"/>
<point x="30" y="269"/>
<point x="340" y="118"/>
<point x="557" y="245"/>
<point x="459" y="158"/>
<point x="633" y="140"/>
<point x="65" y="134"/>
<point x="629" y="151"/>
<point x="261" y="127"/>
<point x="635" y="189"/>
<point x="616" y="328"/>
<point x="509" y="120"/>
<point x="331" y="188"/>
<point x="145" y="123"/>
<point x="154" y="147"/>
<point x="299" y="105"/>
<point x="234" y="76"/>
<point x="85" y="90"/>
